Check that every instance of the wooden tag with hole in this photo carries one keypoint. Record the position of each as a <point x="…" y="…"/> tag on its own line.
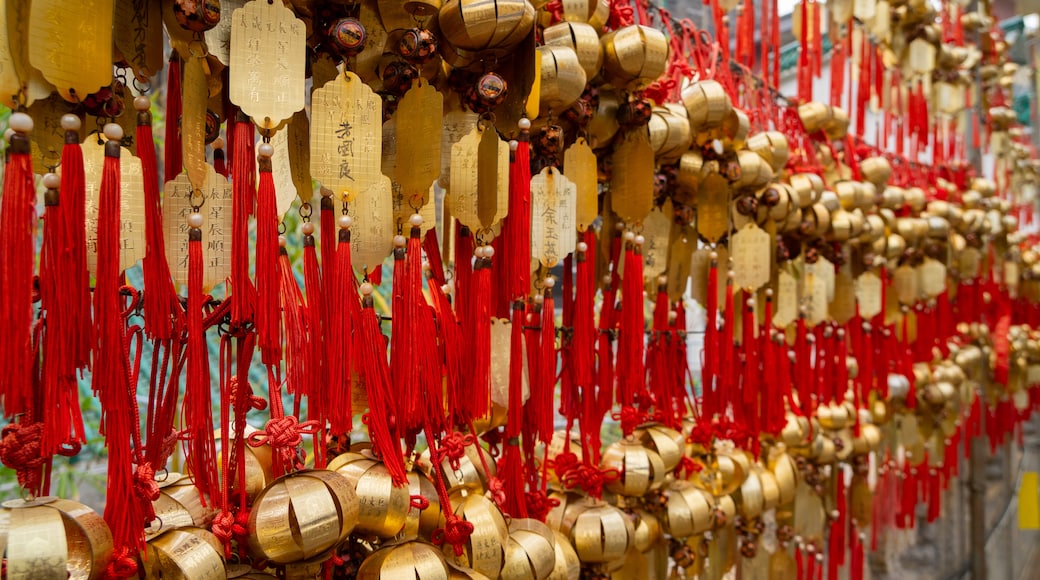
<point x="786" y="300"/>
<point x="579" y="165"/>
<point x="346" y="136"/>
<point x="713" y="208"/>
<point x="267" y="72"/>
<point x="868" y="295"/>
<point x="139" y="35"/>
<point x="131" y="204"/>
<point x="657" y="229"/>
<point x="216" y="227"/>
<point x="479" y="179"/>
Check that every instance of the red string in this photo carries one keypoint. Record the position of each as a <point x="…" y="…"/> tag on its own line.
<point x="17" y="257"/>
<point x="268" y="324"/>
<point x="375" y="374"/>
<point x="198" y="403"/>
<point x="319" y="402"/>
<point x="243" y="200"/>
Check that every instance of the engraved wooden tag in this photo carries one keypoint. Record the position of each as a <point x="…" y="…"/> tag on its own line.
<point x="216" y="229"/>
<point x="71" y="44"/>
<point x="48" y="138"/>
<point x="371" y="236"/>
<point x="970" y="263"/>
<point x="284" y="187"/>
<point x="579" y="165"/>
<point x="479" y="182"/>
<point x="816" y="298"/>
<point x="218" y="38"/>
<point x="139" y="35"/>
<point x="904" y="285"/>
<point x="131" y="204"/>
<point x="346" y="136"/>
<point x="632" y="177"/>
<point x="843" y="305"/>
<point x="36" y="86"/>
<point x="419" y="117"/>
<point x="868" y="295"/>
<point x="786" y="300"/>
<point x="932" y="277"/>
<point x="752" y="257"/>
<point x="457" y="124"/>
<point x="713" y="208"/>
<point x="657" y="229"/>
<point x="268" y="45"/>
<point x="679" y="259"/>
<point x="824" y="269"/>
<point x="552" y="216"/>
<point x="298" y="145"/>
<point x="193" y="121"/>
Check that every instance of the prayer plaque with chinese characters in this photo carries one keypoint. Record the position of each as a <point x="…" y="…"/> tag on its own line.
<point x="657" y="229"/>
<point x="868" y="295"/>
<point x="216" y="227"/>
<point x="751" y="257"/>
<point x="131" y="204"/>
<point x="786" y="299"/>
<point x="479" y="179"/>
<point x="579" y="165"/>
<point x="139" y="35"/>
<point x="268" y="45"/>
<point x="632" y="178"/>
<point x="346" y="136"/>
<point x="552" y="216"/>
<point x="218" y="38"/>
<point x="71" y="44"/>
<point x="419" y="118"/>
<point x="193" y="121"/>
<point x="372" y="233"/>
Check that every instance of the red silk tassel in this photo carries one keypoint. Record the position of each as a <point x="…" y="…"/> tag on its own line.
<point x="317" y="371"/>
<point x="374" y="371"/>
<point x="198" y="402"/>
<point x="297" y="346"/>
<point x="344" y="317"/>
<point x="657" y="360"/>
<point x="543" y="396"/>
<point x="448" y="333"/>
<point x="73" y="212"/>
<point x="219" y="159"/>
<point x="710" y="371"/>
<point x="510" y="466"/>
<point x="631" y="372"/>
<point x="243" y="194"/>
<point x="934" y="495"/>
<point x="802" y="367"/>
<point x="728" y="369"/>
<point x="124" y="512"/>
<point x="173" y="163"/>
<point x="516" y="229"/>
<point x="162" y="304"/>
<point x="429" y="371"/>
<point x="856" y="567"/>
<point x="478" y="340"/>
<point x="17" y="257"/>
<point x="751" y="383"/>
<point x="583" y="343"/>
<point x="268" y="323"/>
<point x="839" y="527"/>
<point x="463" y="260"/>
<point x="405" y="374"/>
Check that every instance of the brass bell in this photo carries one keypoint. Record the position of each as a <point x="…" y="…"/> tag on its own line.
<point x="667" y="442"/>
<point x="54" y="538"/>
<point x="186" y="553"/>
<point x="562" y="78"/>
<point x="485" y="550"/>
<point x="567" y="565"/>
<point x="771" y="146"/>
<point x="634" y="56"/>
<point x="488" y="26"/>
<point x="707" y="105"/>
<point x="582" y="39"/>
<point x="530" y="552"/>
<point x="690" y="511"/>
<point x="601" y="533"/>
<point x="179" y="505"/>
<point x="383" y="507"/>
<point x="411" y="559"/>
<point x="639" y="469"/>
<point x="669" y="132"/>
<point x="593" y="12"/>
<point x="876" y="170"/>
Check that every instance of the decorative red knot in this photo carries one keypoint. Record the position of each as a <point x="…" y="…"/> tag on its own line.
<point x="620" y="15"/>
<point x="418" y="502"/>
<point x="335" y="560"/>
<point x="222" y="529"/>
<point x="496" y="491"/>
<point x="539" y="505"/>
<point x="630" y="418"/>
<point x="590" y="478"/>
<point x="123" y="564"/>
<point x="145" y="486"/>
<point x="686" y="468"/>
<point x="456" y="532"/>
<point x="453" y="448"/>
<point x="252" y="401"/>
<point x="282" y="432"/>
<point x="555" y="11"/>
<point x="658" y="92"/>
<point x="20" y="450"/>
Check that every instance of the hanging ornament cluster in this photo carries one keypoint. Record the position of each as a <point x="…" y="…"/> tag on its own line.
<point x="512" y="220"/>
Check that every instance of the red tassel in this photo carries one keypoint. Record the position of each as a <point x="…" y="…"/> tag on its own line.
<point x="297" y="346"/>
<point x="934" y="495"/>
<point x="73" y="212"/>
<point x="219" y="160"/>
<point x="658" y="361"/>
<point x="344" y="316"/>
<point x="17" y="257"/>
<point x="173" y="163"/>
<point x="631" y="372"/>
<point x="516" y="229"/>
<point x="727" y="363"/>
<point x="750" y="385"/>
<point x="162" y="304"/>
<point x="448" y="333"/>
<point x="198" y="402"/>
<point x="243" y="194"/>
<point x="405" y="375"/>
<point x="583" y="343"/>
<point x="542" y="397"/>
<point x="856" y="567"/>
<point x="318" y="380"/>
<point x="375" y="373"/>
<point x="268" y="323"/>
<point x="110" y="381"/>
<point x="477" y="339"/>
<point x="463" y="261"/>
<point x="710" y="405"/>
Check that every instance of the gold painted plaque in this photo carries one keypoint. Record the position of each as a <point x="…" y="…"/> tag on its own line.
<point x="700" y="262"/>
<point x="457" y="124"/>
<point x="816" y="298"/>
<point x="824" y="269"/>
<point x="843" y="305"/>
<point x="579" y="165"/>
<point x="970" y="263"/>
<point x="216" y="227"/>
<point x="786" y="300"/>
<point x="48" y="138"/>
<point x="751" y="257"/>
<point x="713" y="207"/>
<point x="9" y="80"/>
<point x="868" y="295"/>
<point x="346" y="136"/>
<point x="479" y="182"/>
<point x="904" y="285"/>
<point x="139" y="35"/>
<point x="131" y="204"/>
<point x="218" y="38"/>
<point x="679" y="260"/>
<point x="193" y="121"/>
<point x="268" y="45"/>
<point x="36" y="87"/>
<point x="71" y="44"/>
<point x="371" y="237"/>
<point x="632" y="178"/>
<point x="298" y="144"/>
<point x="552" y="216"/>
<point x="932" y="277"/>
<point x="657" y="229"/>
<point x="419" y="118"/>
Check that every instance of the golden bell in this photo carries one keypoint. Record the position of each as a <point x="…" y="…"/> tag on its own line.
<point x="593" y="12"/>
<point x="422" y="523"/>
<point x="567" y="565"/>
<point x="302" y="515"/>
<point x="868" y="440"/>
<point x="422" y="8"/>
<point x="771" y="146"/>
<point x="186" y="553"/>
<point x="569" y="505"/>
<point x="770" y="486"/>
<point x="876" y="170"/>
<point x="691" y="170"/>
<point x="471" y="474"/>
<point x="707" y="105"/>
<point x="815" y="115"/>
<point x="456" y="572"/>
<point x="750" y="496"/>
<point x="562" y="78"/>
<point x="602" y="533"/>
<point x="786" y="472"/>
<point x="53" y="538"/>
<point x="634" y="56"/>
<point x="669" y="132"/>
<point x="639" y="469"/>
<point x="604" y="124"/>
<point x="258" y="462"/>
<point x="485" y="550"/>
<point x="179" y="505"/>
<point x="720" y="473"/>
<point x="838" y="126"/>
<point x="690" y="510"/>
<point x="411" y="559"/>
<point x="530" y="551"/>
<point x="753" y="171"/>
<point x="734" y="130"/>
<point x="667" y="442"/>
<point x="383" y="507"/>
<point x="559" y="444"/>
<point x="808" y="187"/>
<point x="582" y="39"/>
<point x="497" y="25"/>
<point x="648" y="530"/>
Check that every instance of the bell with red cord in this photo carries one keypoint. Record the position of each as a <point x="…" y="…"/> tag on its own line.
<point x="55" y="538"/>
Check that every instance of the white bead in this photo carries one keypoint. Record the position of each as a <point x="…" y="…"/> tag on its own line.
<point x="114" y="132"/>
<point x="366" y="289"/>
<point x="513" y="145"/>
<point x="416" y="220"/>
<point x="478" y="252"/>
<point x="538" y="299"/>
<point x="344" y="222"/>
<point x="524" y="123"/>
<point x="662" y="280"/>
<point x="307" y="228"/>
<point x="20" y="122"/>
<point x="51" y="181"/>
<point x="583" y="247"/>
<point x="629" y="236"/>
<point x="606" y="279"/>
<point x="714" y="255"/>
<point x="640" y="240"/>
<point x="265" y="150"/>
<point x="751" y="303"/>
<point x="218" y="143"/>
<point x="550" y="282"/>
<point x="769" y="292"/>
<point x="425" y="265"/>
<point x="71" y="122"/>
<point x="142" y="103"/>
<point x="717" y="146"/>
<point x="195" y="220"/>
<point x="400" y="241"/>
<point x="672" y="315"/>
<point x="282" y="241"/>
<point x="489" y="252"/>
<point x="619" y="226"/>
<point x="445" y="288"/>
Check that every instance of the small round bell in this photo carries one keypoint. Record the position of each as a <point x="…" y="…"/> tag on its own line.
<point x="197" y="15"/>
<point x="186" y="553"/>
<point x="485" y="550"/>
<point x="383" y="507"/>
<point x="411" y="559"/>
<point x="562" y="78"/>
<point x="690" y="510"/>
<point x="638" y="468"/>
<point x="474" y="471"/>
<point x="707" y="105"/>
<point x="54" y="538"/>
<point x="634" y="56"/>
<point x="669" y="443"/>
<point x="876" y="170"/>
<point x="530" y="551"/>
<point x="647" y="529"/>
<point x="582" y="39"/>
<point x="772" y="146"/>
